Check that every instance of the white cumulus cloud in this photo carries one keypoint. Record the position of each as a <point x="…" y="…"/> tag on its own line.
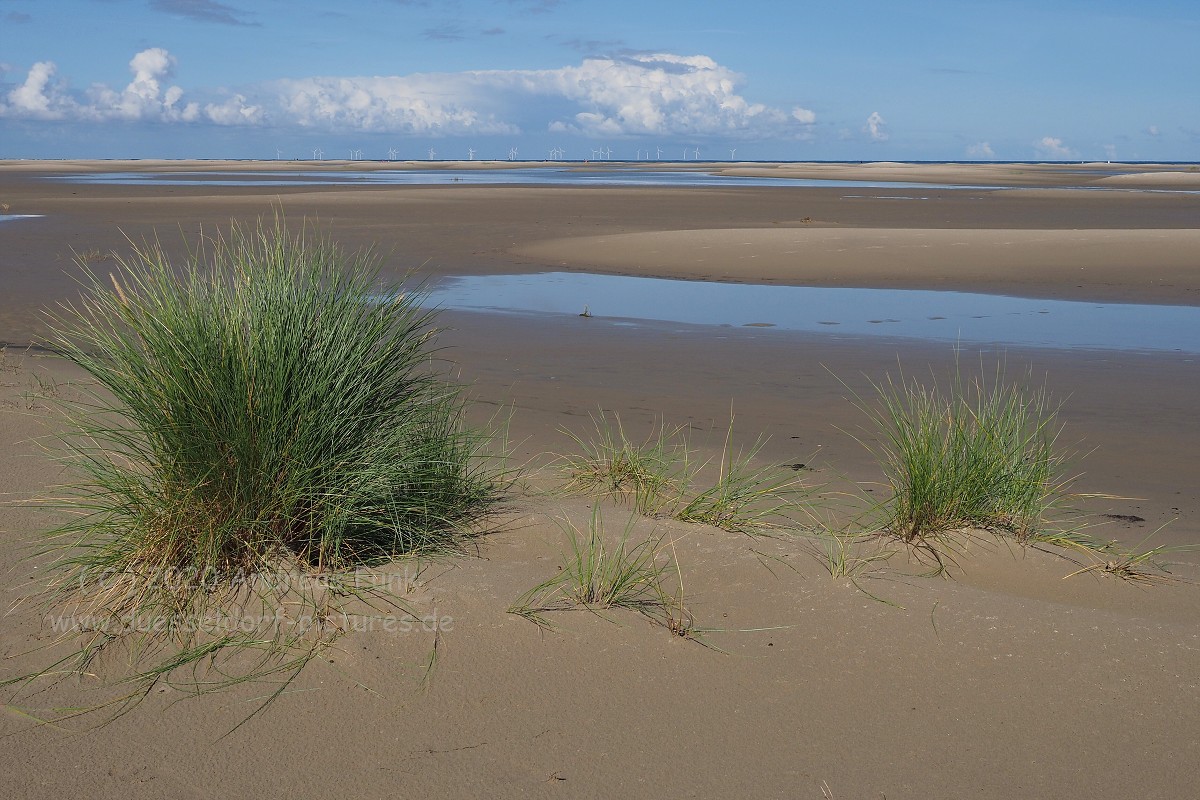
<point x="655" y="94"/>
<point x="39" y="97"/>
<point x="1051" y="147"/>
<point x="981" y="151"/>
<point x="144" y="98"/>
<point x="639" y="94"/>
<point x="43" y="97"/>
<point x="413" y="104"/>
<point x="234" y="111"/>
<point x="875" y="127"/>
<point x="803" y="116"/>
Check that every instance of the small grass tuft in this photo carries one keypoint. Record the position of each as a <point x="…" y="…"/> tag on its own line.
<point x="650" y="473"/>
<point x="842" y="554"/>
<point x="745" y="498"/>
<point x="92" y="255"/>
<point x="600" y="577"/>
<point x="1137" y="564"/>
<point x="659" y="476"/>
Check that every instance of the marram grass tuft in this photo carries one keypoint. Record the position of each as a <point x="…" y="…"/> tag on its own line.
<point x="266" y="398"/>
<point x="976" y="454"/>
<point x="263" y="406"/>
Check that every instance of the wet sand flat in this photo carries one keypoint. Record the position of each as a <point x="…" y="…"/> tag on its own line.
<point x="1004" y="680"/>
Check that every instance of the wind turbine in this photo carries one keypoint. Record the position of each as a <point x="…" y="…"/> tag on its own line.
<point x="432" y="154"/>
<point x="318" y="154"/>
<point x="732" y="150"/>
<point x="697" y="153"/>
<point x="607" y="153"/>
<point x="512" y="154"/>
<point x="278" y="154"/>
<point x="685" y="154"/>
<point x="470" y="154"/>
<point x="392" y="152"/>
<point x="658" y="153"/>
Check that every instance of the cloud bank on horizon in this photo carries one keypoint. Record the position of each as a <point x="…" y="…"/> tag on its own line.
<point x="632" y="95"/>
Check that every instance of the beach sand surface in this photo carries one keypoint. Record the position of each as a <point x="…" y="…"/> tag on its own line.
<point x="1003" y="679"/>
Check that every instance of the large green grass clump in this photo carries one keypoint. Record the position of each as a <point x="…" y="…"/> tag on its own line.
<point x="972" y="454"/>
<point x="265" y="401"/>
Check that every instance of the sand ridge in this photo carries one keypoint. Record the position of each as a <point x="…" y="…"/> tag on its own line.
<point x="1151" y="265"/>
<point x="978" y="174"/>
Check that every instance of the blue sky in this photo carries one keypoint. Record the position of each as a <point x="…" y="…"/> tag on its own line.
<point x="852" y="80"/>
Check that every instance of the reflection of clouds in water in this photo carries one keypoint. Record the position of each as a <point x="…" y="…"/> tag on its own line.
<point x="938" y="316"/>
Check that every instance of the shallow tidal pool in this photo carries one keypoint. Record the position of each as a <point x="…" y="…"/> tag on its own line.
<point x="898" y="313"/>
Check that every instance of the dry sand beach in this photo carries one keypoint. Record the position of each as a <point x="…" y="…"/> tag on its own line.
<point x="1000" y="680"/>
